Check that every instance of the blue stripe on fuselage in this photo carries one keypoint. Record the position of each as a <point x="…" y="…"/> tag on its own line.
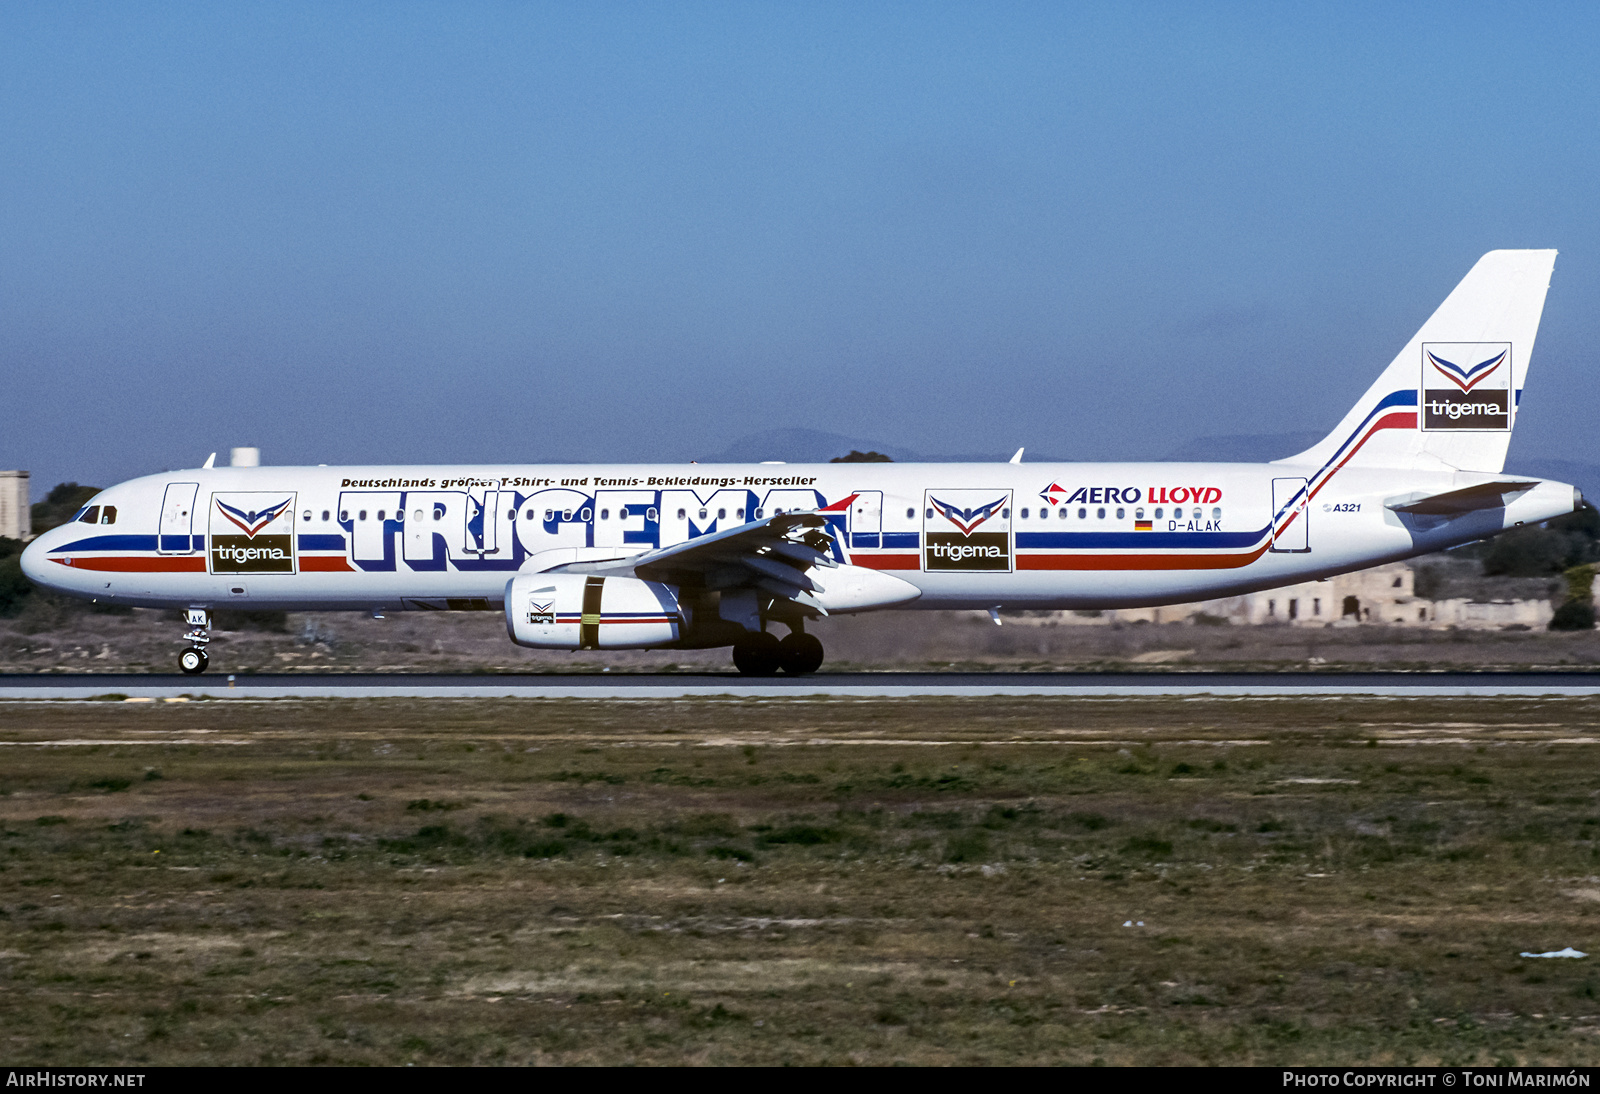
<point x="1154" y="540"/>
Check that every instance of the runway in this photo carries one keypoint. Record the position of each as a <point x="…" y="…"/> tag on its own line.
<point x="837" y="685"/>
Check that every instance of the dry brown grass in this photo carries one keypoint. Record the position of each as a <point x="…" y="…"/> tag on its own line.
<point x="938" y="881"/>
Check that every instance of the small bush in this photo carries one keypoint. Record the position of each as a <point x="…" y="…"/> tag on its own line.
<point x="1574" y="615"/>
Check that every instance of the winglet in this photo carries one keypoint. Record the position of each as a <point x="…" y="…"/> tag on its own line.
<point x="211" y="462"/>
<point x="1017" y="458"/>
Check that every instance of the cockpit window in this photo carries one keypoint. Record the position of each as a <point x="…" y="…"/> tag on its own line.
<point x="91" y="515"/>
<point x="108" y="515"/>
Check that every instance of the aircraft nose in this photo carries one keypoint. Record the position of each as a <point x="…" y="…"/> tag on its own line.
<point x="36" y="565"/>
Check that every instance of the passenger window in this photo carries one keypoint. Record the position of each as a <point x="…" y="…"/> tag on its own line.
<point x="605" y="514"/>
<point x="1100" y="514"/>
<point x="683" y="514"/>
<point x="108" y="515"/>
<point x="1083" y="514"/>
<point x="911" y="514"/>
<point x="758" y="514"/>
<point x="344" y="514"/>
<point x="652" y="515"/>
<point x="363" y="514"/>
<point x="400" y="516"/>
<point x="722" y="514"/>
<point x="306" y="516"/>
<point x="1121" y="513"/>
<point x="549" y="514"/>
<point x="380" y="514"/>
<point x="1062" y="514"/>
<point x="738" y="514"/>
<point x="586" y="515"/>
<point x="1158" y="514"/>
<point x="1005" y="514"/>
<point x="529" y="514"/>
<point x="438" y="512"/>
<point x="416" y="514"/>
<point x="1024" y="514"/>
<point x="566" y="514"/>
<point x="91" y="515"/>
<point x="1216" y="514"/>
<point x="702" y="514"/>
<point x="930" y="514"/>
<point x="324" y="516"/>
<point x="1197" y="514"/>
<point x="1138" y="514"/>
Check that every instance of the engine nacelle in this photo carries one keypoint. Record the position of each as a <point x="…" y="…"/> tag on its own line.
<point x="588" y="612"/>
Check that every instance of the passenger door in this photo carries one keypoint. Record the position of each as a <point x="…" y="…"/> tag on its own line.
<point x="1290" y="516"/>
<point x="177" y="519"/>
<point x="866" y="519"/>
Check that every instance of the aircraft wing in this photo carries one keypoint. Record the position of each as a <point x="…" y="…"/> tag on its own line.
<point x="1486" y="495"/>
<point x="771" y="554"/>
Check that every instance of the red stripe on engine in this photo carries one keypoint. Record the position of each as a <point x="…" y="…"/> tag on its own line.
<point x="887" y="562"/>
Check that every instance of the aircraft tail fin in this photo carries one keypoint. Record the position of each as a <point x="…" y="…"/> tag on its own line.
<point x="1449" y="401"/>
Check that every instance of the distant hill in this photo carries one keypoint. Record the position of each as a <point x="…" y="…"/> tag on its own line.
<point x="1585" y="476"/>
<point x="817" y="446"/>
<point x="801" y="446"/>
<point x="1243" y="448"/>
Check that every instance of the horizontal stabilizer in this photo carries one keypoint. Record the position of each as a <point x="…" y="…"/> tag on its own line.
<point x="1486" y="495"/>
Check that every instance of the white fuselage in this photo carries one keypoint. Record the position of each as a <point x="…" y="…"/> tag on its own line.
<point x="966" y="535"/>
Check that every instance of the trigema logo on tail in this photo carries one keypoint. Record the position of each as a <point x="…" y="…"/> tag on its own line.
<point x="252" y="533"/>
<point x="967" y="530"/>
<point x="1466" y="385"/>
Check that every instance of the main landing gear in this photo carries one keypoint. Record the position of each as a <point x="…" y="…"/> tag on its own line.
<point x="194" y="660"/>
<point x="758" y="653"/>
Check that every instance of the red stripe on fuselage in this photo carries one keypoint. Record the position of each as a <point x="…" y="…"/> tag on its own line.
<point x="1139" y="562"/>
<point x="137" y="564"/>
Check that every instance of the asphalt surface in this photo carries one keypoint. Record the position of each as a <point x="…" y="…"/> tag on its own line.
<point x="606" y="685"/>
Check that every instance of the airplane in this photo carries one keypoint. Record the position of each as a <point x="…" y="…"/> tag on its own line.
<point x="640" y="556"/>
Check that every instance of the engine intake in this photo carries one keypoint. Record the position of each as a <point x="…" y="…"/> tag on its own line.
<point x="586" y="612"/>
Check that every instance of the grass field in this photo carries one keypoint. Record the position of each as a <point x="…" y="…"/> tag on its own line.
<point x="805" y="881"/>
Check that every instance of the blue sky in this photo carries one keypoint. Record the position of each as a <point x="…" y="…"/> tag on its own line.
<point x="526" y="232"/>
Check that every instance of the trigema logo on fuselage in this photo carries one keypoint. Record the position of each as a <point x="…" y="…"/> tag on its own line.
<point x="252" y="533"/>
<point x="966" y="530"/>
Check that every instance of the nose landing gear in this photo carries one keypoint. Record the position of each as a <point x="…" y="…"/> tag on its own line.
<point x="194" y="660"/>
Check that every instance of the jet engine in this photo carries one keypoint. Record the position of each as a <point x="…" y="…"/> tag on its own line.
<point x="588" y="612"/>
